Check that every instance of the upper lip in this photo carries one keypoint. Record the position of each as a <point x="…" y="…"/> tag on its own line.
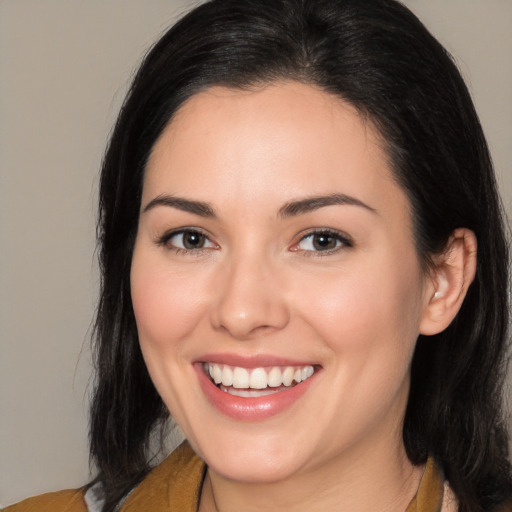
<point x="254" y="361"/>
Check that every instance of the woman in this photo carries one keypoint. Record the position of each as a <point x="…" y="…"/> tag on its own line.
<point x="304" y="263"/>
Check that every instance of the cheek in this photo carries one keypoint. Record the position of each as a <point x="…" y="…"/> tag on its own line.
<point x="372" y="305"/>
<point x="166" y="309"/>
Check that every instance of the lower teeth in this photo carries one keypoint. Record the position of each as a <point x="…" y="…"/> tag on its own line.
<point x="248" y="393"/>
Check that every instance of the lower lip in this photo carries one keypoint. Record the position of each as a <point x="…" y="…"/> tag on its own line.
<point x="251" y="408"/>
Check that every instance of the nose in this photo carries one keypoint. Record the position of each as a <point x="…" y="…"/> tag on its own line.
<point x="250" y="300"/>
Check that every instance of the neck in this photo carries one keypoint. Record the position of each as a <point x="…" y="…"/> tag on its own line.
<point x="380" y="479"/>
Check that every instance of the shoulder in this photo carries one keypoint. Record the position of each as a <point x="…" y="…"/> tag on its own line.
<point x="61" y="501"/>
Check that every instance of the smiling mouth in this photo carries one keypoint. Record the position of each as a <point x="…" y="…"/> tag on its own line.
<point x="256" y="382"/>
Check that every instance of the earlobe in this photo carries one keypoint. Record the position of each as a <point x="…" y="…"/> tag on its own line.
<point x="454" y="271"/>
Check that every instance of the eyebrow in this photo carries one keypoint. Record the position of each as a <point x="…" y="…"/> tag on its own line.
<point x="290" y="209"/>
<point x="196" y="207"/>
<point x="309" y="204"/>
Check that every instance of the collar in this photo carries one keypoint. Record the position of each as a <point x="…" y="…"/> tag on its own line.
<point x="429" y="497"/>
<point x="173" y="486"/>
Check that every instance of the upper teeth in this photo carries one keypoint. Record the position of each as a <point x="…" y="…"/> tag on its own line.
<point x="257" y="378"/>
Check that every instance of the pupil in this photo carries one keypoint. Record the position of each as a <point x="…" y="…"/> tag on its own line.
<point x="323" y="242"/>
<point x="193" y="240"/>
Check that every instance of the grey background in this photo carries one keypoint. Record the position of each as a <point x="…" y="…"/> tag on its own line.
<point x="64" y="68"/>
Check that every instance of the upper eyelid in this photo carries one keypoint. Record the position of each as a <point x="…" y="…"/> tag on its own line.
<point x="319" y="231"/>
<point x="167" y="235"/>
<point x="346" y="242"/>
<point x="186" y="229"/>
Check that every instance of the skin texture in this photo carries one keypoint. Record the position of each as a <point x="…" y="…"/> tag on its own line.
<point x="259" y="287"/>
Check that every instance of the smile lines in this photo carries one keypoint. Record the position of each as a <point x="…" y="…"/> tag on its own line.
<point x="227" y="376"/>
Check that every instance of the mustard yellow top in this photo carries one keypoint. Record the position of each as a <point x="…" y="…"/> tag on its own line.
<point x="175" y="486"/>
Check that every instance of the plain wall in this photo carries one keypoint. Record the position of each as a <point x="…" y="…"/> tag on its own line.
<point x="64" y="67"/>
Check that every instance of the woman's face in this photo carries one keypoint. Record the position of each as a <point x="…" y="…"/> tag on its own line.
<point x="274" y="244"/>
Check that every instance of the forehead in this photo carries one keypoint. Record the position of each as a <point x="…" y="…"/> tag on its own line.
<point x="284" y="138"/>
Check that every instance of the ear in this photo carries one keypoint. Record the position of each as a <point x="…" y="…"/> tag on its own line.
<point x="454" y="270"/>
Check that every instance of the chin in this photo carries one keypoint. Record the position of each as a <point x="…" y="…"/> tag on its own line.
<point x="251" y="460"/>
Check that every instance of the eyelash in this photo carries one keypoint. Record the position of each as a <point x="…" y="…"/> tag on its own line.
<point x="164" y="241"/>
<point x="342" y="241"/>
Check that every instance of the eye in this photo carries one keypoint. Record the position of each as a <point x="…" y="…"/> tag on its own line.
<point x="322" y="241"/>
<point x="187" y="240"/>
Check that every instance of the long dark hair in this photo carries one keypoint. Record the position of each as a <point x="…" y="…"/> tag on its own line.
<point x="376" y="55"/>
